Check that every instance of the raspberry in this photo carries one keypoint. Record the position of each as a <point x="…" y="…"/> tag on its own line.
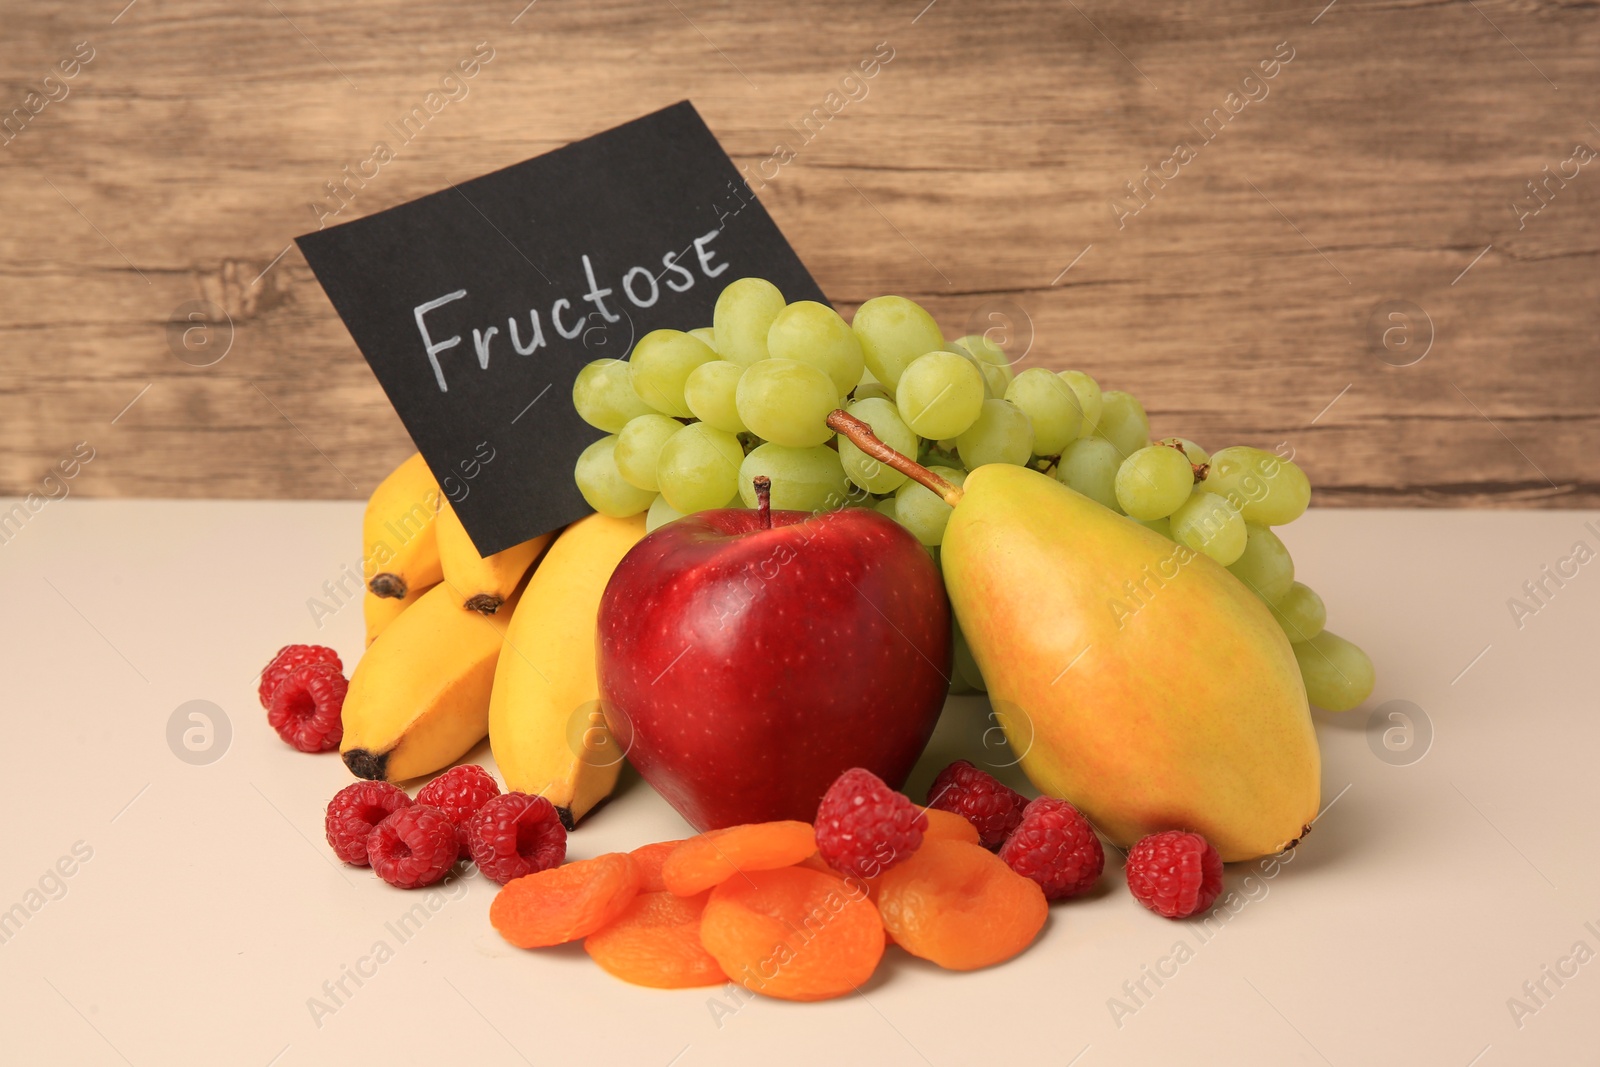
<point x="459" y="793"/>
<point x="414" y="847"/>
<point x="516" y="834"/>
<point x="354" y="811"/>
<point x="1176" y="873"/>
<point x="993" y="807"/>
<point x="864" y="827"/>
<point x="288" y="658"/>
<point x="1056" y="847"/>
<point x="305" y="710"/>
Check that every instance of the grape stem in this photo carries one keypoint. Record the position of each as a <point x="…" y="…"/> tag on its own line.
<point x="1200" y="469"/>
<point x="763" y="486"/>
<point x="861" y="435"/>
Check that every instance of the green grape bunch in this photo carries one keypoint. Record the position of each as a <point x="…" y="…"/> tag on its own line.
<point x="692" y="417"/>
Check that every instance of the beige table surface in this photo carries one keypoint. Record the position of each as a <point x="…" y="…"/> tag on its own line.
<point x="209" y="912"/>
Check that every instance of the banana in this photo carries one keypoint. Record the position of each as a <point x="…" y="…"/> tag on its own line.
<point x="544" y="715"/>
<point x="399" y="548"/>
<point x="419" y="697"/>
<point x="380" y="611"/>
<point x="481" y="582"/>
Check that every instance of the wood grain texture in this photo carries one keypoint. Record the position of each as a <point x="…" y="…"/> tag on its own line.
<point x="1381" y="163"/>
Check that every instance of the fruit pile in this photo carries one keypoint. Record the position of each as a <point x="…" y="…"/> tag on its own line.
<point x="692" y="418"/>
<point x="804" y="911"/>
<point x="807" y="531"/>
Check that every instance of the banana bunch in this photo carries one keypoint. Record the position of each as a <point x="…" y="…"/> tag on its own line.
<point x="461" y="646"/>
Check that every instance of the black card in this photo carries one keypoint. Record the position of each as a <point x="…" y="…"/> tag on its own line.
<point x="477" y="306"/>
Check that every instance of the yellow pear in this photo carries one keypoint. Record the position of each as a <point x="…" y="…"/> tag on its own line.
<point x="1133" y="676"/>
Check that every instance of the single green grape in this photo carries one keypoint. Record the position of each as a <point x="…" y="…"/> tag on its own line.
<point x="1002" y="433"/>
<point x="706" y="336"/>
<point x="604" y="397"/>
<point x="660" y="514"/>
<point x="1091" y="401"/>
<point x="710" y="392"/>
<point x="888" y="427"/>
<point x="1207" y="523"/>
<point x="1153" y="481"/>
<point x="1300" y="612"/>
<point x="603" y="486"/>
<point x="803" y="479"/>
<point x="660" y="365"/>
<point x="1194" y="452"/>
<point x="1089" y="465"/>
<point x="639" y="445"/>
<point x="699" y="468"/>
<point x="786" y="402"/>
<point x="956" y="348"/>
<point x="814" y="333"/>
<point x="1338" y="675"/>
<point x="885" y="507"/>
<point x="1265" y="566"/>
<point x="940" y="395"/>
<point x="742" y="318"/>
<point x="992" y="361"/>
<point x="1267" y="489"/>
<point x="921" y="512"/>
<point x="893" y="332"/>
<point x="1051" y="405"/>
<point x="1123" y="422"/>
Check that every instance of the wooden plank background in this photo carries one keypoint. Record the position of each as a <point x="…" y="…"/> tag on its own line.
<point x="1383" y="165"/>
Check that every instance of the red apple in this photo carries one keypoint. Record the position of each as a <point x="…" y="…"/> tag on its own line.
<point x="747" y="658"/>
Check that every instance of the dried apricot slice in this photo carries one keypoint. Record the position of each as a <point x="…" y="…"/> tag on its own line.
<point x="562" y="904"/>
<point x="793" y="933"/>
<point x="948" y="826"/>
<point x="815" y="862"/>
<point x="656" y="942"/>
<point x="960" y="906"/>
<point x="717" y="855"/>
<point x="649" y="858"/>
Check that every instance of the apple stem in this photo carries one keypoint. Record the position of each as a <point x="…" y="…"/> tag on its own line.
<point x="763" y="486"/>
<point x="861" y="435"/>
